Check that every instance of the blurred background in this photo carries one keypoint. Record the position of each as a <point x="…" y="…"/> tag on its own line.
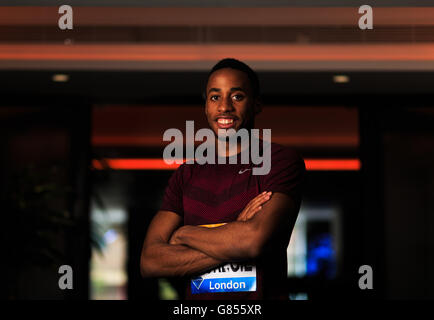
<point x="83" y="111"/>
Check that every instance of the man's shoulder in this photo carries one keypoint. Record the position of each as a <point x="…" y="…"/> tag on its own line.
<point x="186" y="171"/>
<point x="182" y="172"/>
<point x="184" y="168"/>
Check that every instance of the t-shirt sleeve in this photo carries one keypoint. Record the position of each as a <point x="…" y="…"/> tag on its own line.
<point x="172" y="199"/>
<point x="287" y="173"/>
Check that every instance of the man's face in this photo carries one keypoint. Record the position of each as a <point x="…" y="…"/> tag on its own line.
<point x="229" y="100"/>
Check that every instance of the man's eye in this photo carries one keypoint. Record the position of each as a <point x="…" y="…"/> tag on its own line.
<point x="238" y="97"/>
<point x="214" y="98"/>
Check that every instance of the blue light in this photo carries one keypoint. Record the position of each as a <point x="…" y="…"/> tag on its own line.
<point x="320" y="257"/>
<point x="110" y="236"/>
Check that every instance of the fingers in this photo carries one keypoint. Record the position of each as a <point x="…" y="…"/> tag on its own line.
<point x="252" y="212"/>
<point x="172" y="239"/>
<point x="254" y="206"/>
<point x="260" y="199"/>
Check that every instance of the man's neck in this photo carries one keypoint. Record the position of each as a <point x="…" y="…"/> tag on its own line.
<point x="225" y="151"/>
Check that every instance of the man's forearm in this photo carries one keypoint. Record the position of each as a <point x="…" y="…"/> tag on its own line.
<point x="248" y="239"/>
<point x="230" y="242"/>
<point x="166" y="260"/>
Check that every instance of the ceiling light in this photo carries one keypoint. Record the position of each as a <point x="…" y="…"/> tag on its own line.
<point x="341" y="78"/>
<point x="60" y="77"/>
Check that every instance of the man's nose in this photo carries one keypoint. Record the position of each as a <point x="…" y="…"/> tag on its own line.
<point x="226" y="105"/>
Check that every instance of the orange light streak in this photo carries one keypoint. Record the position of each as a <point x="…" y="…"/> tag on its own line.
<point x="159" y="164"/>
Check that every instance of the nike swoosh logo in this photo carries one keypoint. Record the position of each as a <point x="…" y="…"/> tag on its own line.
<point x="242" y="171"/>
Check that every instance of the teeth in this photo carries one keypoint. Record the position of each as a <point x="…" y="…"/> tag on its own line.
<point x="225" y="121"/>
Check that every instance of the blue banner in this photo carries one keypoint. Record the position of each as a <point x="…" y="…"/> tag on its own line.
<point x="236" y="284"/>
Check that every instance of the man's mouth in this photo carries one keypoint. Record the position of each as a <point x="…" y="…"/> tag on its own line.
<point x="226" y="122"/>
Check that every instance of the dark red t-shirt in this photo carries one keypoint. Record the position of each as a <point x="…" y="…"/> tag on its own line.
<point x="217" y="193"/>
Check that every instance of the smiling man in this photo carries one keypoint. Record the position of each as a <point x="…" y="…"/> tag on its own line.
<point x="223" y="228"/>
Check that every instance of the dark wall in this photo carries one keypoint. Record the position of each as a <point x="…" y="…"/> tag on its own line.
<point x="44" y="194"/>
<point x="409" y="206"/>
<point x="398" y="200"/>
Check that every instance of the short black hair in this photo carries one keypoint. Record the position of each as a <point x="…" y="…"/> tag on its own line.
<point x="237" y="65"/>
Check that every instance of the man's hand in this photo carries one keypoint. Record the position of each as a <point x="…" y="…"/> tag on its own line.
<point x="254" y="206"/>
<point x="176" y="236"/>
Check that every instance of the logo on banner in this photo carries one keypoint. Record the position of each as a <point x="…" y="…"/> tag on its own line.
<point x="197" y="282"/>
<point x="231" y="277"/>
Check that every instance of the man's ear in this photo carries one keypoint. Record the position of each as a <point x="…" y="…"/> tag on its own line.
<point x="204" y="100"/>
<point x="257" y="106"/>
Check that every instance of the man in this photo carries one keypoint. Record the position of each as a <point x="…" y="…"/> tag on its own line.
<point x="222" y="227"/>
